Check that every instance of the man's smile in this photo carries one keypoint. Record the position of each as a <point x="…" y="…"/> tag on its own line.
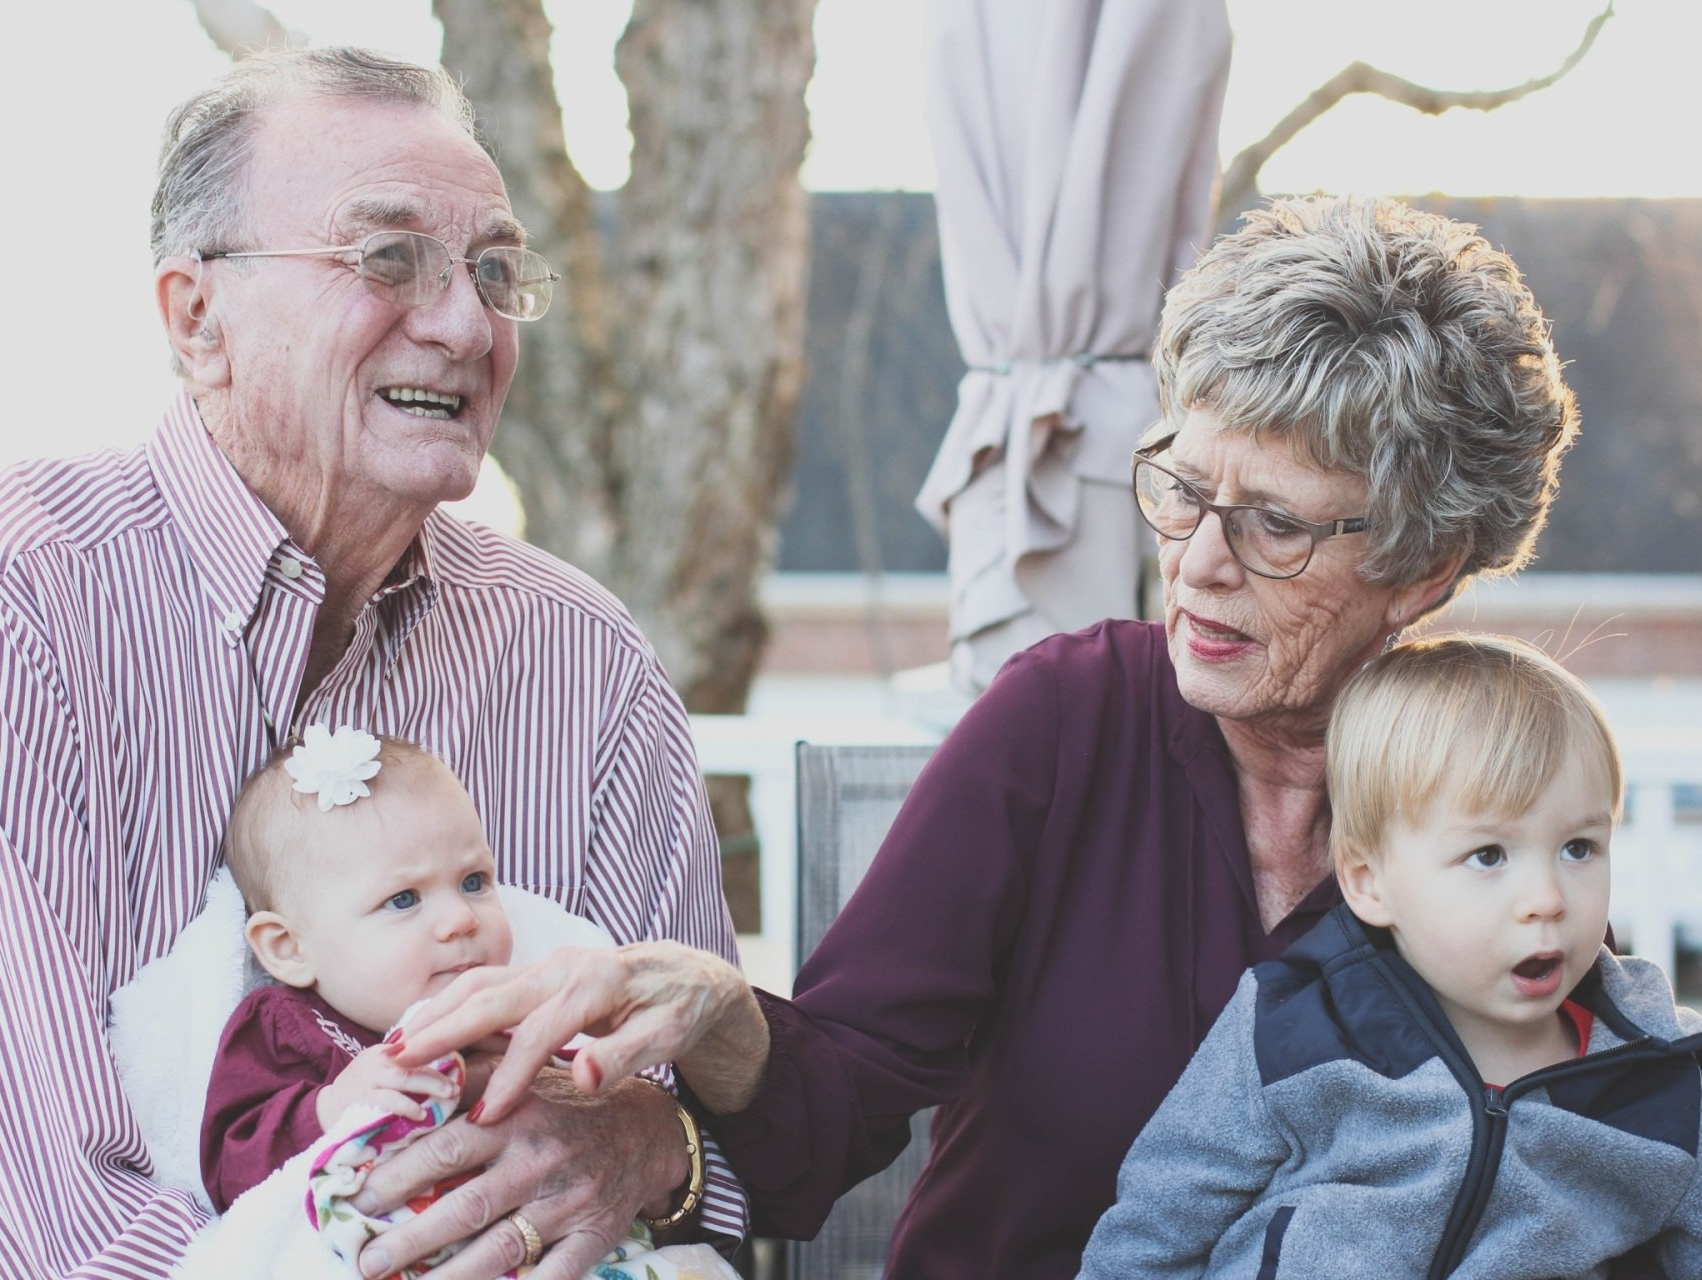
<point x="422" y="402"/>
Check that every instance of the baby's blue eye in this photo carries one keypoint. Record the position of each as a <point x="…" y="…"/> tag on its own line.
<point x="1488" y="857"/>
<point x="474" y="883"/>
<point x="404" y="900"/>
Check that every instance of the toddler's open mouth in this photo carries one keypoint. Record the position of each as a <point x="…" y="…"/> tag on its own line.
<point x="1538" y="975"/>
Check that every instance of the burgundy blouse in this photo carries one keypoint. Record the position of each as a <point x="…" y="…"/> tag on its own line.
<point x="279" y="1049"/>
<point x="1060" y="911"/>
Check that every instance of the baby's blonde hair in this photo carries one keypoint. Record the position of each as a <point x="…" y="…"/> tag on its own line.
<point x="266" y="822"/>
<point x="1487" y="721"/>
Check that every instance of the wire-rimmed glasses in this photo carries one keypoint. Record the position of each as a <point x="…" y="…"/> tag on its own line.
<point x="1270" y="543"/>
<point x="411" y="269"/>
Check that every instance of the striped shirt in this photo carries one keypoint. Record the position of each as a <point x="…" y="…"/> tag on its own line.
<point x="155" y="619"/>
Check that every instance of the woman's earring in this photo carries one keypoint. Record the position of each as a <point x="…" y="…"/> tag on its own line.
<point x="1391" y="640"/>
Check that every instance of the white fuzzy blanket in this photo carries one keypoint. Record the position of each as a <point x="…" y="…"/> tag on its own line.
<point x="165" y="1029"/>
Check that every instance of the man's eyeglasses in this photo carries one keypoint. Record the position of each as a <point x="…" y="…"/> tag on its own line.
<point x="411" y="270"/>
<point x="1269" y="543"/>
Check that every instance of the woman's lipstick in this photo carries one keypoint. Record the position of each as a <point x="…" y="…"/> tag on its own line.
<point x="1213" y="642"/>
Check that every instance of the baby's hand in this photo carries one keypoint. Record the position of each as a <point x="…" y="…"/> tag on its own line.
<point x="375" y="1079"/>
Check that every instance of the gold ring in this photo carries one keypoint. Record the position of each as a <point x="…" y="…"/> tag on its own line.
<point x="528" y="1233"/>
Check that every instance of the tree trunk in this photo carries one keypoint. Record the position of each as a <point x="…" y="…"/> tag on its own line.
<point x="566" y="401"/>
<point x="714" y="250"/>
<point x="649" y="428"/>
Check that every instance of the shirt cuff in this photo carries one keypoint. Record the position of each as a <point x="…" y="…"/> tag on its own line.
<point x="725" y="1214"/>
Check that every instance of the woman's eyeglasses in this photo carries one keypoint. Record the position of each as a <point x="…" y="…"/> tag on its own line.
<point x="1269" y="543"/>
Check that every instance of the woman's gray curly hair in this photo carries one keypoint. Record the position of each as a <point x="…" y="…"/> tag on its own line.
<point x="1395" y="345"/>
<point x="198" y="196"/>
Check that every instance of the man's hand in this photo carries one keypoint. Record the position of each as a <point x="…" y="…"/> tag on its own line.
<point x="579" y="1169"/>
<point x="374" y="1078"/>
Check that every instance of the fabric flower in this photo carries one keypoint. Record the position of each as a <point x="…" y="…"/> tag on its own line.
<point x="334" y="766"/>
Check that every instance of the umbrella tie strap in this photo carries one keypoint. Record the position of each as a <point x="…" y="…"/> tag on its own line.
<point x="1082" y="359"/>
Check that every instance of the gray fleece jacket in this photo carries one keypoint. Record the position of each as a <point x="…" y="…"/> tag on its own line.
<point x="1332" y="1125"/>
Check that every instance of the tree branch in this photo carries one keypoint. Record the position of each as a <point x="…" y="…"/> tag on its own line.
<point x="241" y="26"/>
<point x="1240" y="180"/>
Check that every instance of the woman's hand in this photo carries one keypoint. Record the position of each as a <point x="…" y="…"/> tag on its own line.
<point x="646" y="1003"/>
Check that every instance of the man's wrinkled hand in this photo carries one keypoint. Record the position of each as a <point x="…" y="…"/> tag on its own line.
<point x="579" y="1169"/>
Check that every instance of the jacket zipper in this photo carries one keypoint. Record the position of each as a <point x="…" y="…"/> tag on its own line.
<point x="1488" y="1116"/>
<point x="1490" y="1106"/>
<point x="1489" y="1120"/>
<point x="1489" y="1132"/>
<point x="1489" y="1136"/>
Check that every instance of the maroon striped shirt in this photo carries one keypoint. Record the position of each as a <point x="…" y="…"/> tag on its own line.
<point x="154" y="624"/>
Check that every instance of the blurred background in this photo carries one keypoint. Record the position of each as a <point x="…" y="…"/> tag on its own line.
<point x="1593" y="184"/>
<point x="832" y="605"/>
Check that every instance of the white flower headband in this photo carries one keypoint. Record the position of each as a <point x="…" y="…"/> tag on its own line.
<point x="334" y="766"/>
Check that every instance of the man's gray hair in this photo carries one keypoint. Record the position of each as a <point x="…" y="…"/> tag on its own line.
<point x="198" y="199"/>
<point x="1392" y="344"/>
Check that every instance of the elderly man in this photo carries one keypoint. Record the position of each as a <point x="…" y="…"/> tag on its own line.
<point x="341" y="279"/>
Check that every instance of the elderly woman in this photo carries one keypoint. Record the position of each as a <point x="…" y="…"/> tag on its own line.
<point x="1362" y="412"/>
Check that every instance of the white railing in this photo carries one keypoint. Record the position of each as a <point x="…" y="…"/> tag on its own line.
<point x="1657" y="858"/>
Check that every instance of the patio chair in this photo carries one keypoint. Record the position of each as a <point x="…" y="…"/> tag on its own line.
<point x="847" y="798"/>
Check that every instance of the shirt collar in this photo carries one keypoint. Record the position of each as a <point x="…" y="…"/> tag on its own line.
<point x="230" y="534"/>
<point x="415" y="567"/>
<point x="233" y="537"/>
<point x="410" y="592"/>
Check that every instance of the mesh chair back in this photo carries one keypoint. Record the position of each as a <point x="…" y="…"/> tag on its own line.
<point x="847" y="798"/>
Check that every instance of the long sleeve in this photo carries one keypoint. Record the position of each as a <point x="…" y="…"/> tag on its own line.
<point x="652" y="826"/>
<point x="273" y="1059"/>
<point x="1058" y="915"/>
<point x="654" y="820"/>
<point x="1202" y="1160"/>
<point x="886" y="1007"/>
<point x="152" y="640"/>
<point x="74" y="1200"/>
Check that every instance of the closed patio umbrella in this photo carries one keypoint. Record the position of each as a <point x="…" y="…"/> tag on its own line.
<point x="1076" y="147"/>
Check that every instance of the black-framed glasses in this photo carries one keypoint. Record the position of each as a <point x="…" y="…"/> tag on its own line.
<point x="1272" y="544"/>
<point x="411" y="269"/>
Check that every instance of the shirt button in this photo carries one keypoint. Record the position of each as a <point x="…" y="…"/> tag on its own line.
<point x="290" y="567"/>
<point x="234" y="622"/>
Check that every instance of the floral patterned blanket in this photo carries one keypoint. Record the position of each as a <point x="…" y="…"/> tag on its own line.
<point x="338" y="1171"/>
